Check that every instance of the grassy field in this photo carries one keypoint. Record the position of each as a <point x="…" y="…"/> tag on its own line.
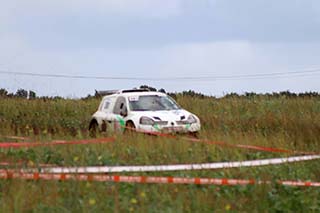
<point x="290" y="123"/>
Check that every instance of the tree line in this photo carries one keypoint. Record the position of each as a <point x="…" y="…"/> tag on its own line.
<point x="29" y="94"/>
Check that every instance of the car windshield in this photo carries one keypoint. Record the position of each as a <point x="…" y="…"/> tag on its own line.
<point x="152" y="103"/>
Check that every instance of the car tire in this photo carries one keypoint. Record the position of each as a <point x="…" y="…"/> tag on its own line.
<point x="104" y="126"/>
<point x="194" y="135"/>
<point x="93" y="128"/>
<point x="130" y="127"/>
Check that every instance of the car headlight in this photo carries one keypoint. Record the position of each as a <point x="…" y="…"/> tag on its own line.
<point x="191" y="119"/>
<point x="146" y="121"/>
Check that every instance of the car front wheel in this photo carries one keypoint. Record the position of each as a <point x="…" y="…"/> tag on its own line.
<point x="194" y="135"/>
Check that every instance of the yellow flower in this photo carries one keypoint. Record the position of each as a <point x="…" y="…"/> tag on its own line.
<point x="228" y="207"/>
<point x="76" y="158"/>
<point x="92" y="201"/>
<point x="88" y="185"/>
<point x="133" y="201"/>
<point x="30" y="163"/>
<point x="142" y="194"/>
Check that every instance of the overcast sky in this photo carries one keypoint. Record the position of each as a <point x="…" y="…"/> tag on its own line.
<point x="160" y="39"/>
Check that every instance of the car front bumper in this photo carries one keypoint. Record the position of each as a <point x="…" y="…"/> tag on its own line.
<point x="186" y="128"/>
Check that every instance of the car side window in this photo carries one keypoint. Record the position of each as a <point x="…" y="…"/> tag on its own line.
<point x="119" y="105"/>
<point x="106" y="105"/>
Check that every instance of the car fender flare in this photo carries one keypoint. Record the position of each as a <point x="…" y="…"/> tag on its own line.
<point x="128" y="121"/>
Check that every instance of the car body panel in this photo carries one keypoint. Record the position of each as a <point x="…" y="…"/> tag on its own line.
<point x="114" y="113"/>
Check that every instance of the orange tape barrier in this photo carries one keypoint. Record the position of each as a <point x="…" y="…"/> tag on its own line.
<point x="253" y="147"/>
<point x="171" y="167"/>
<point x="102" y="140"/>
<point x="147" y="179"/>
<point x="221" y="143"/>
<point x="36" y="144"/>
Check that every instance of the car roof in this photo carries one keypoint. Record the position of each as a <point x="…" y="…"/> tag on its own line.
<point x="130" y="94"/>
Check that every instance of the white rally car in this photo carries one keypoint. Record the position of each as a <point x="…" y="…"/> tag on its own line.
<point x="144" y="111"/>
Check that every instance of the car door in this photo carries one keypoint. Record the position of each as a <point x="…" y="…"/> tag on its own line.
<point x="119" y="113"/>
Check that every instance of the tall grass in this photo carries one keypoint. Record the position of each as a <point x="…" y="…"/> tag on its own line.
<point x="46" y="117"/>
<point x="277" y="122"/>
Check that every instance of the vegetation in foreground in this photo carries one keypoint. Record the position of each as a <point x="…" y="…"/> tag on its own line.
<point x="274" y="121"/>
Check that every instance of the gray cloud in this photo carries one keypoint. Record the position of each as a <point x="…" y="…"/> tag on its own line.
<point x="127" y="8"/>
<point x="140" y="23"/>
<point x="193" y="59"/>
<point x="162" y="38"/>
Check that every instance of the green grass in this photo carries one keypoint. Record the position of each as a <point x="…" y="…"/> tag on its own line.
<point x="274" y="122"/>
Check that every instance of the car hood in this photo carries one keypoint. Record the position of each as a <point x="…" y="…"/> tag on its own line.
<point x="167" y="115"/>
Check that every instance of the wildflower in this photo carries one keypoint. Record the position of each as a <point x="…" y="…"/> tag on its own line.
<point x="142" y="194"/>
<point x="88" y="184"/>
<point x="76" y="158"/>
<point x="45" y="131"/>
<point x="30" y="163"/>
<point x="227" y="207"/>
<point x="92" y="201"/>
<point x="133" y="201"/>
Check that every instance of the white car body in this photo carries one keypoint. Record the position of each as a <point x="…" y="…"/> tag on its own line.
<point x="123" y="110"/>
